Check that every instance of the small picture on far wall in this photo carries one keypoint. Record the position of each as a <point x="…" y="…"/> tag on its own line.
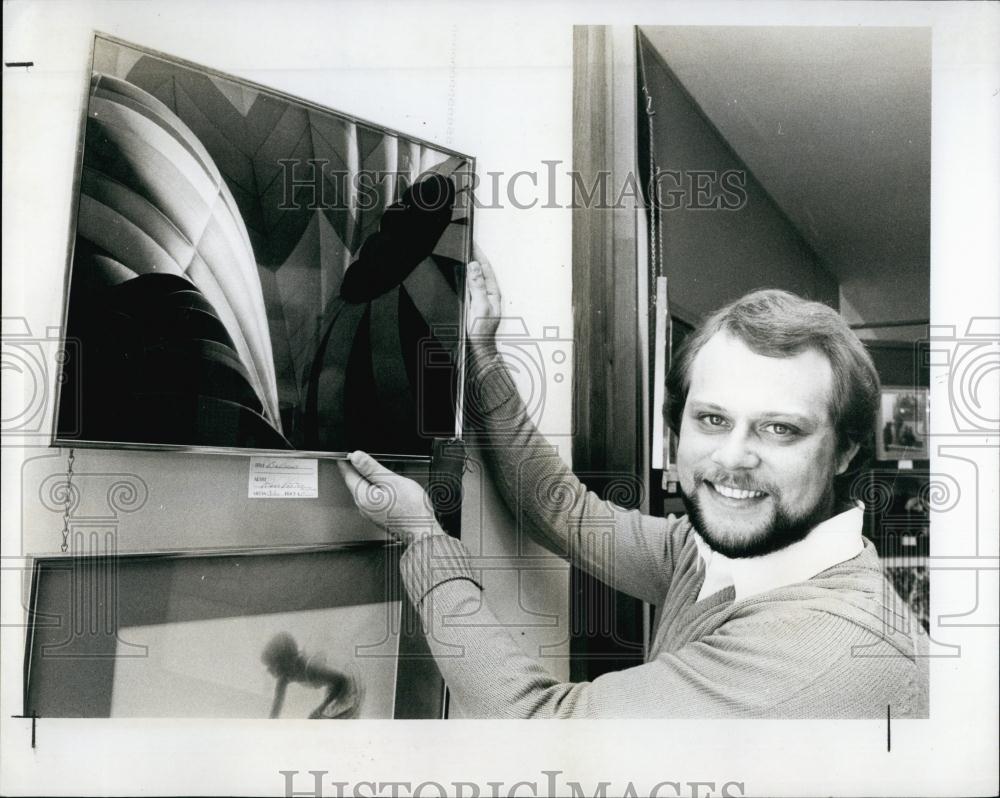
<point x="902" y="425"/>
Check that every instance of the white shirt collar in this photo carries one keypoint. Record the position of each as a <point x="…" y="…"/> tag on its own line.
<point x="830" y="543"/>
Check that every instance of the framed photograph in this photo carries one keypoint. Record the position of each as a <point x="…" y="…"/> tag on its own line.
<point x="332" y="636"/>
<point x="254" y="272"/>
<point x="903" y="424"/>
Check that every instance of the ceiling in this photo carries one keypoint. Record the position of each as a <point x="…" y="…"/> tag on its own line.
<point x="835" y="125"/>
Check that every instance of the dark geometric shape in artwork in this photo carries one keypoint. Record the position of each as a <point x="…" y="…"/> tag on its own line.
<point x="158" y="366"/>
<point x="407" y="234"/>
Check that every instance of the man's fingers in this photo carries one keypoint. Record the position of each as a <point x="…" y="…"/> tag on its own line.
<point x="373" y="495"/>
<point x="380" y="486"/>
<point x="492" y="287"/>
<point x="351" y="477"/>
<point x="479" y="302"/>
<point x="368" y="467"/>
<point x="484" y="290"/>
<point x="474" y="278"/>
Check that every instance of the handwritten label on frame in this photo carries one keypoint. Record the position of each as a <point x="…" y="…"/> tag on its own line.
<point x="283" y="478"/>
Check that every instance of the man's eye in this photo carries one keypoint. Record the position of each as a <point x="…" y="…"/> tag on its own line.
<point x="782" y="430"/>
<point x="713" y="420"/>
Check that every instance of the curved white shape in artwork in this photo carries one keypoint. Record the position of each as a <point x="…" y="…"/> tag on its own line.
<point x="155" y="200"/>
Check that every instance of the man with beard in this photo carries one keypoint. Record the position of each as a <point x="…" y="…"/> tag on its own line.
<point x="770" y="604"/>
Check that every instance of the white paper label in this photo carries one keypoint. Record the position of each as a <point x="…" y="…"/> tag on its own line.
<point x="905" y="465"/>
<point x="283" y="478"/>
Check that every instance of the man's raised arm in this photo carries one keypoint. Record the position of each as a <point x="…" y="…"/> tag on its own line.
<point x="623" y="548"/>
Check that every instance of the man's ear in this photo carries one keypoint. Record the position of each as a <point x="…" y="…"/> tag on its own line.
<point x="845" y="457"/>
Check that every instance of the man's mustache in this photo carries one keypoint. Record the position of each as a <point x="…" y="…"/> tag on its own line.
<point x="730" y="480"/>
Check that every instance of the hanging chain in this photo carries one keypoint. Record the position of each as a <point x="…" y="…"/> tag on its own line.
<point x="68" y="501"/>
<point x="656" y="248"/>
<point x="652" y="192"/>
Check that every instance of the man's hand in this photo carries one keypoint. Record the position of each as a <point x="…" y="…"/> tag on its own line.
<point x="484" y="301"/>
<point x="397" y="504"/>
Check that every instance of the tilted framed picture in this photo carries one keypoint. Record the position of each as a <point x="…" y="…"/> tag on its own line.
<point x="251" y="271"/>
<point x="904" y="414"/>
<point x="193" y="635"/>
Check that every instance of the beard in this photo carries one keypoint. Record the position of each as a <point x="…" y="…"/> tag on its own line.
<point x="780" y="531"/>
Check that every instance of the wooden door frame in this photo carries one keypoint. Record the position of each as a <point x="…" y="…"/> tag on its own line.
<point x="611" y="318"/>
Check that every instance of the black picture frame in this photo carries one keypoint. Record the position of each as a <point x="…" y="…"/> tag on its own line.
<point x="251" y="272"/>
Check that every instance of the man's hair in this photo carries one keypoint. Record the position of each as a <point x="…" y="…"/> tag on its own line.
<point x="780" y="324"/>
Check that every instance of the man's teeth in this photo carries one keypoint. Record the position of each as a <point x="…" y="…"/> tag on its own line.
<point x="736" y="493"/>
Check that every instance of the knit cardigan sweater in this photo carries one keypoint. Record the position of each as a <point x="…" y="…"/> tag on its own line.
<point x="839" y="645"/>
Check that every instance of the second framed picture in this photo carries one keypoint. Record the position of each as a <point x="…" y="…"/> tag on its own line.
<point x="331" y="636"/>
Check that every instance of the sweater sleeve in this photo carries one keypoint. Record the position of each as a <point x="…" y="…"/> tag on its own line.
<point x="623" y="548"/>
<point x="791" y="664"/>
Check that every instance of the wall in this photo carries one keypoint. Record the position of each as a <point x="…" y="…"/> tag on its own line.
<point x="713" y="256"/>
<point x="864" y="299"/>
<point x="440" y="83"/>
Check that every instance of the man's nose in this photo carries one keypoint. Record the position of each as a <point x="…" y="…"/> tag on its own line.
<point x="735" y="452"/>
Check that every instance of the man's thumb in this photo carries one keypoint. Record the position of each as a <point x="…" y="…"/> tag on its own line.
<point x="366" y="465"/>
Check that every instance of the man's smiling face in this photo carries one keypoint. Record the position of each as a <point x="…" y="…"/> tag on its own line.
<point x="757" y="453"/>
